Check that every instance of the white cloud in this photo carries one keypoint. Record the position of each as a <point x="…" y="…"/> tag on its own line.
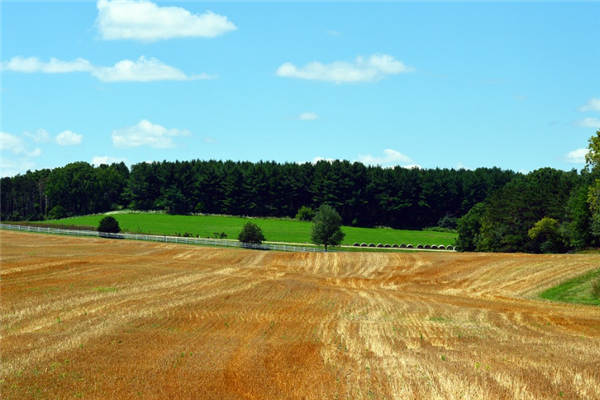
<point x="15" y="145"/>
<point x="54" y="66"/>
<point x="39" y="136"/>
<point x="590" y="123"/>
<point x="145" y="133"/>
<point x="308" y="116"/>
<point x="14" y="167"/>
<point x="99" y="160"/>
<point x="11" y="143"/>
<point x="390" y="157"/>
<point x="577" y="156"/>
<point x="68" y="138"/>
<point x="144" y="20"/>
<point x="592" y="105"/>
<point x="369" y="69"/>
<point x="144" y="69"/>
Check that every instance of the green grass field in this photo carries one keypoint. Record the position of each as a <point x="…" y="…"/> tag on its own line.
<point x="274" y="229"/>
<point x="577" y="290"/>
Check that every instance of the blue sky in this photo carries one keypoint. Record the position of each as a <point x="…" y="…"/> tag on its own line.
<point x="514" y="85"/>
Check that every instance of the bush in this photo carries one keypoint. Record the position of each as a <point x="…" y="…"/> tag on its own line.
<point x="305" y="214"/>
<point x="251" y="233"/>
<point x="57" y="212"/>
<point x="109" y="225"/>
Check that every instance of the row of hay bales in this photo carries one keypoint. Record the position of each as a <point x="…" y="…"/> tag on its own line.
<point x="406" y="246"/>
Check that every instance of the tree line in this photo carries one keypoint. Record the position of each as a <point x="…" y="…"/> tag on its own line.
<point x="362" y="195"/>
<point x="546" y="210"/>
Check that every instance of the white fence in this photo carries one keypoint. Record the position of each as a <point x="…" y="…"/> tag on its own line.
<point x="160" y="238"/>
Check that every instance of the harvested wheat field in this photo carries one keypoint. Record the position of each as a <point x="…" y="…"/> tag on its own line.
<point x="114" y="319"/>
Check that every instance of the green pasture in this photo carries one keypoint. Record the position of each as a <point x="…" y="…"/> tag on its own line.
<point x="274" y="229"/>
<point x="577" y="290"/>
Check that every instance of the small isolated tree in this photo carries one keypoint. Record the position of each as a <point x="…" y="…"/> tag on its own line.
<point x="109" y="225"/>
<point x="547" y="235"/>
<point x="251" y="233"/>
<point x="305" y="214"/>
<point x="326" y="227"/>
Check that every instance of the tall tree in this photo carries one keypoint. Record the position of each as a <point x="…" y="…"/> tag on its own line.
<point x="326" y="227"/>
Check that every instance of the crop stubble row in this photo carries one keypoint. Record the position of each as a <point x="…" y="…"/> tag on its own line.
<point x="95" y="318"/>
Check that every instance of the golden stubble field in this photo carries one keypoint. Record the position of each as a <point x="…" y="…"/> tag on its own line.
<point x="113" y="319"/>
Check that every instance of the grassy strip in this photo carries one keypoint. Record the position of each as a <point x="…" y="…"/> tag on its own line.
<point x="577" y="290"/>
<point x="275" y="229"/>
<point x="223" y="246"/>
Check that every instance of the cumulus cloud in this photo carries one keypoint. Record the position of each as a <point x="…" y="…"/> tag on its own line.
<point x="16" y="146"/>
<point x="577" y="156"/>
<point x="590" y="123"/>
<point x="13" y="167"/>
<point x="308" y="116"/>
<point x="11" y="143"/>
<point x="145" y="133"/>
<point x="39" y="136"/>
<point x="99" y="160"/>
<point x="19" y="157"/>
<point x="370" y="69"/>
<point x="146" y="21"/>
<point x="144" y="69"/>
<point x="68" y="138"/>
<point x="592" y="105"/>
<point x="54" y="66"/>
<point x="390" y="157"/>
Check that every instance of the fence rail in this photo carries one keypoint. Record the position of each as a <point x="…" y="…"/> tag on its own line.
<point x="160" y="238"/>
